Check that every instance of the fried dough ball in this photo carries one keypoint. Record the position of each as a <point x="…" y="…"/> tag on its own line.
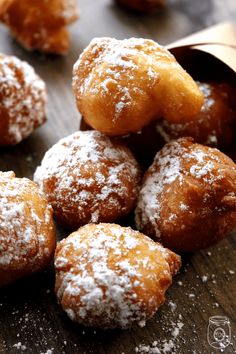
<point x="40" y="24"/>
<point x="188" y="197"/>
<point x="89" y="178"/>
<point x="110" y="276"/>
<point x="27" y="233"/>
<point x="22" y="100"/>
<point x="122" y="85"/>
<point x="141" y="5"/>
<point x="215" y="125"/>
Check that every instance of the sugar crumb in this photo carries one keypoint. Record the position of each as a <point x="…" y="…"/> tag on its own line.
<point x="204" y="278"/>
<point x="19" y="346"/>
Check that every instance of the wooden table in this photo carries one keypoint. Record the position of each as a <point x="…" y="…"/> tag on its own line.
<point x="30" y="319"/>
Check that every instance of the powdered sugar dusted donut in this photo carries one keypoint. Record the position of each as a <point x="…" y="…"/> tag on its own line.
<point x="40" y="24"/>
<point x="188" y="197"/>
<point x="87" y="177"/>
<point x="22" y="100"/>
<point x="122" y="85"/>
<point x="111" y="276"/>
<point x="27" y="234"/>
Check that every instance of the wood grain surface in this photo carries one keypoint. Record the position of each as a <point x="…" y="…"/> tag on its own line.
<point x="30" y="319"/>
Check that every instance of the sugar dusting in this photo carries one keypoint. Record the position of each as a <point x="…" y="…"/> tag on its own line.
<point x="23" y="98"/>
<point x="168" y="345"/>
<point x="168" y="170"/>
<point x="172" y="325"/>
<point x="89" y="170"/>
<point x="149" y="203"/>
<point x="22" y="240"/>
<point x="70" y="11"/>
<point x="175" y="331"/>
<point x="103" y="285"/>
<point x="43" y="24"/>
<point x="19" y="346"/>
<point x="161" y="327"/>
<point x="115" y="63"/>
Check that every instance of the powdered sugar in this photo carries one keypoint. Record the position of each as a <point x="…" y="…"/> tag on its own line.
<point x="106" y="280"/>
<point x="23" y="99"/>
<point x="22" y="241"/>
<point x="19" y="346"/>
<point x="171" y="165"/>
<point x="164" y="346"/>
<point x="42" y="25"/>
<point x="70" y="11"/>
<point x="200" y="171"/>
<point x="204" y="278"/>
<point x="88" y="170"/>
<point x="115" y="63"/>
<point x="149" y="205"/>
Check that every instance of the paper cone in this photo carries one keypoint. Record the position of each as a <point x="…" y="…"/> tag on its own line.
<point x="206" y="48"/>
<point x="223" y="33"/>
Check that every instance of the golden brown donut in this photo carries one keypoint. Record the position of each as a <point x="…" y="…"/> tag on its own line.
<point x="122" y="85"/>
<point x="110" y="276"/>
<point x="87" y="178"/>
<point x="22" y="100"/>
<point x="27" y="233"/>
<point x="188" y="197"/>
<point x="141" y="5"/>
<point x="40" y="24"/>
<point x="215" y="125"/>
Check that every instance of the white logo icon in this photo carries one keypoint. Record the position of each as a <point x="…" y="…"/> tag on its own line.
<point x="219" y="332"/>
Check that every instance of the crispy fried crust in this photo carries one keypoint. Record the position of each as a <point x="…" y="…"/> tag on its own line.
<point x="214" y="126"/>
<point x="27" y="233"/>
<point x="188" y="197"/>
<point x="87" y="177"/>
<point x="121" y="86"/>
<point x="110" y="276"/>
<point x="40" y="24"/>
<point x="22" y="100"/>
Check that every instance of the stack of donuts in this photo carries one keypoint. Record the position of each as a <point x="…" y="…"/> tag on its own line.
<point x="108" y="275"/>
<point x="187" y="195"/>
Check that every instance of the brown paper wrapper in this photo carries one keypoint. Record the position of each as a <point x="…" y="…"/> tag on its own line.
<point x="209" y="54"/>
